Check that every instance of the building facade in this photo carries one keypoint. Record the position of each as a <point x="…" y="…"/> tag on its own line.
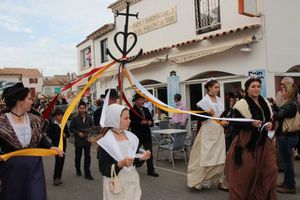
<point x="31" y="78"/>
<point x="199" y="39"/>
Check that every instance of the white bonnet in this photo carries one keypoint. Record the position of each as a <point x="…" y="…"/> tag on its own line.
<point x="113" y="115"/>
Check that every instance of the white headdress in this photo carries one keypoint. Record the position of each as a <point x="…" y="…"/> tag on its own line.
<point x="112" y="115"/>
<point x="210" y="79"/>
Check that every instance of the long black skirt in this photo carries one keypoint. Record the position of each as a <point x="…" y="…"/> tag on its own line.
<point x="22" y="178"/>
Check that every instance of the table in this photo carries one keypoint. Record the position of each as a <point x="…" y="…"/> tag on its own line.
<point x="169" y="131"/>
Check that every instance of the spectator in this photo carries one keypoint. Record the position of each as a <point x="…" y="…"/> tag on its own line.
<point x="141" y="128"/>
<point x="53" y="132"/>
<point x="179" y="120"/>
<point x="80" y="126"/>
<point x="287" y="141"/>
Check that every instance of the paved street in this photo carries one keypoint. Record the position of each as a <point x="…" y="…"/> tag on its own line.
<point x="171" y="185"/>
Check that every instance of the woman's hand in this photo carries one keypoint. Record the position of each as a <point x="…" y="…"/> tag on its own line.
<point x="211" y="112"/>
<point x="126" y="162"/>
<point x="257" y="123"/>
<point x="269" y="126"/>
<point x="81" y="134"/>
<point x="146" y="155"/>
<point x="60" y="153"/>
<point x="224" y="123"/>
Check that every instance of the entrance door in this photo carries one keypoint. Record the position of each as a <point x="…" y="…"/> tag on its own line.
<point x="195" y="96"/>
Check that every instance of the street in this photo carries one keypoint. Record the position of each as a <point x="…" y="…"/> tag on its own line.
<point x="170" y="185"/>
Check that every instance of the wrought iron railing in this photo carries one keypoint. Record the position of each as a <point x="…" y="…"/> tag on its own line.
<point x="207" y="15"/>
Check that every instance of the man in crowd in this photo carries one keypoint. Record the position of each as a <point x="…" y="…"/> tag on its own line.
<point x="80" y="125"/>
<point x="140" y="126"/>
<point x="113" y="96"/>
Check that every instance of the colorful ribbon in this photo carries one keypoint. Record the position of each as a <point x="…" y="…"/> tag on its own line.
<point x="52" y="152"/>
<point x="124" y="97"/>
<point x="143" y="92"/>
<point x="47" y="111"/>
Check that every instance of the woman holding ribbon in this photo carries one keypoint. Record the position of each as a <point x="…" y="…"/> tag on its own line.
<point x="117" y="153"/>
<point x="207" y="157"/>
<point x="21" y="177"/>
<point x="251" y="161"/>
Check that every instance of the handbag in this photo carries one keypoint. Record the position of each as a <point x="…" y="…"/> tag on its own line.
<point x="115" y="185"/>
<point x="291" y="125"/>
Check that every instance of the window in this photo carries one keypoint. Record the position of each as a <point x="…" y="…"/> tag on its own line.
<point x="47" y="91"/>
<point x="207" y="15"/>
<point x="33" y="80"/>
<point x="86" y="57"/>
<point x="57" y="90"/>
<point x="104" y="56"/>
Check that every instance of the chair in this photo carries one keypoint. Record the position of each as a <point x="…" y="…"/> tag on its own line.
<point x="155" y="137"/>
<point x="164" y="124"/>
<point x="173" y="144"/>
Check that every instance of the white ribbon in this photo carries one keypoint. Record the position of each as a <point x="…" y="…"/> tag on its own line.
<point x="149" y="95"/>
<point x="105" y="103"/>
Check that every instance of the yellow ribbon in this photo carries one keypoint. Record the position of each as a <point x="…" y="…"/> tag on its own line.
<point x="75" y="101"/>
<point x="52" y="152"/>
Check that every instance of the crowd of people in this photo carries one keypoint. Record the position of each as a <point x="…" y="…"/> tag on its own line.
<point x="242" y="157"/>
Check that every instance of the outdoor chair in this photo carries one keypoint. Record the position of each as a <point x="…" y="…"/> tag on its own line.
<point x="174" y="143"/>
<point x="164" y="124"/>
<point x="155" y="136"/>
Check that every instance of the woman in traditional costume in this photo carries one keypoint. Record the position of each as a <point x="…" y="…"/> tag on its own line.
<point x="21" y="177"/>
<point x="118" y="149"/>
<point x="207" y="157"/>
<point x="251" y="161"/>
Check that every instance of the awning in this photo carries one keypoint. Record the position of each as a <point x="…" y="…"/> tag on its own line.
<point x="197" y="53"/>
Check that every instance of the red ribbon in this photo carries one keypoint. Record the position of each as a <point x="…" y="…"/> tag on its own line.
<point x="48" y="110"/>
<point x="124" y="97"/>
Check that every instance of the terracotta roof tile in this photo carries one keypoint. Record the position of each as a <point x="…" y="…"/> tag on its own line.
<point x="26" y="72"/>
<point x="99" y="32"/>
<point x="56" y="81"/>
<point x="206" y="37"/>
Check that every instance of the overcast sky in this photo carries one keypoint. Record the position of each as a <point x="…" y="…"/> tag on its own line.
<point x="43" y="33"/>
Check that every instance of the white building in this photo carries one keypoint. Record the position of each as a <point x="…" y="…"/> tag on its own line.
<point x="31" y="78"/>
<point x="201" y="39"/>
<point x="53" y="85"/>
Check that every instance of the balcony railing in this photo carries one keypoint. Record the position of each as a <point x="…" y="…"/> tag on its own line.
<point x="207" y="15"/>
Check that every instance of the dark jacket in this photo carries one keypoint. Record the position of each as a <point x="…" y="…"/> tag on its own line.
<point x="106" y="161"/>
<point x="288" y="110"/>
<point x="97" y="116"/>
<point x="53" y="132"/>
<point x="136" y="126"/>
<point x="77" y="125"/>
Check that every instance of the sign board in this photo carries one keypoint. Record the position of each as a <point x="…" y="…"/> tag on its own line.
<point x="154" y="21"/>
<point x="173" y="88"/>
<point x="260" y="73"/>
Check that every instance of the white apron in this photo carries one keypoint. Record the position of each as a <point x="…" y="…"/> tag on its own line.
<point x="208" y="154"/>
<point x="130" y="181"/>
